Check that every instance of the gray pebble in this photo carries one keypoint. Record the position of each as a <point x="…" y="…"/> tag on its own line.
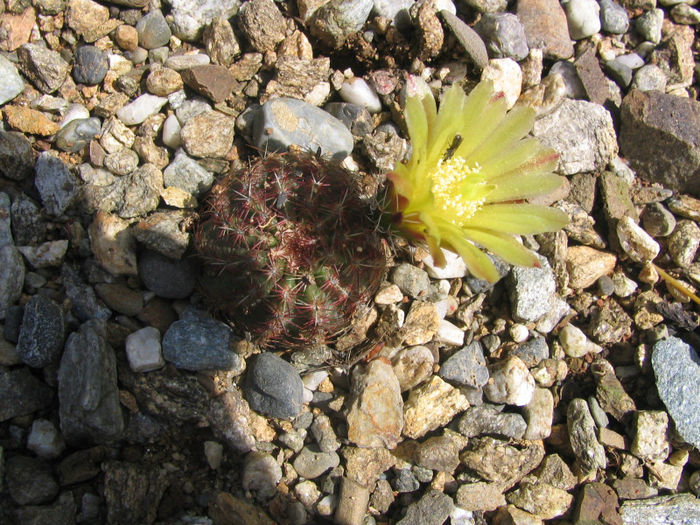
<point x="582" y="435"/>
<point x="432" y="508"/>
<point x="531" y="291"/>
<point x="684" y="242"/>
<point x="187" y="174"/>
<point x="199" y="342"/>
<point x="606" y="286"/>
<point x="16" y="156"/>
<point x="648" y="25"/>
<point x="404" y="481"/>
<point x="153" y="30"/>
<point x="77" y="134"/>
<point x="311" y="464"/>
<point x="503" y="35"/>
<point x="28" y="225"/>
<point x="466" y="367"/>
<point x="11" y="83"/>
<point x="166" y="277"/>
<point x="487" y="420"/>
<point x="84" y="304"/>
<point x="13" y="323"/>
<point x="613" y="17"/>
<point x="30" y="481"/>
<point x="336" y="20"/>
<point x="468" y="38"/>
<point x="43" y="329"/>
<point x="285" y="121"/>
<point x="533" y="351"/>
<point x="45" y="68"/>
<point x="657" y="220"/>
<point x="649" y="78"/>
<point x="619" y="72"/>
<point x="22" y="393"/>
<point x="411" y="280"/>
<point x="273" y="387"/>
<point x="57" y="186"/>
<point x="88" y="395"/>
<point x="122" y="162"/>
<point x="91" y="65"/>
<point x="356" y="118"/>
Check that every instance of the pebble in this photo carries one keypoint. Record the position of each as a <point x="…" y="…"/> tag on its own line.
<point x="336" y="20"/>
<point x="531" y="291"/>
<point x="583" y="18"/>
<point x="213" y="81"/>
<point x="45" y="440"/>
<point x="466" y="367"/>
<point x="677" y="371"/>
<point x="395" y="10"/>
<point x="164" y="81"/>
<point x="311" y="464"/>
<point x="375" y="417"/>
<point x="352" y="502"/>
<point x="112" y="244"/>
<point x="649" y="77"/>
<point x="412" y="366"/>
<point x="541" y="499"/>
<point x="648" y="25"/>
<point x="180" y="62"/>
<point x="500" y="461"/>
<point x="153" y="30"/>
<point x="454" y="268"/>
<point x="187" y="174"/>
<point x="613" y="17"/>
<point x="77" y="134"/>
<point x="439" y="453"/>
<point x="166" y="277"/>
<point x="673" y="509"/>
<point x="507" y="78"/>
<point x="636" y="243"/>
<point x="684" y="14"/>
<point x="430" y="406"/>
<point x="42" y="332"/>
<point x="273" y="387"/>
<point x="356" y="91"/>
<point x="404" y="481"/>
<point x="619" y="72"/>
<point x="650" y="442"/>
<point x="533" y="351"/>
<point x="511" y="382"/>
<point x="16" y="155"/>
<point x="261" y="474"/>
<point x="684" y="242"/>
<point x="30" y="481"/>
<point x="657" y="220"/>
<point x="356" y="118"/>
<point x="208" y="134"/>
<point x="126" y="37"/>
<point x="324" y="434"/>
<point x="589" y="452"/>
<point x="30" y="121"/>
<point x="468" y="39"/>
<point x="433" y="508"/>
<point x="143" y="350"/>
<point x="284" y="121"/>
<point x="12" y="273"/>
<point x="90" y="66"/>
<point x="46" y="255"/>
<point x="586" y="265"/>
<point x="486" y="419"/>
<point x="22" y="393"/>
<point x="575" y="343"/>
<point x="88" y="371"/>
<point x="44" y="68"/>
<point x="583" y="135"/>
<point x="503" y="35"/>
<point x="546" y="27"/>
<point x="171" y="132"/>
<point x="11" y="83"/>
<point x="411" y="280"/>
<point x="122" y="162"/>
<point x="140" y="109"/>
<point x="538" y="414"/>
<point x="480" y="496"/>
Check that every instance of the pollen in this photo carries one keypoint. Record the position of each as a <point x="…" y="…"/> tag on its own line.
<point x="453" y="183"/>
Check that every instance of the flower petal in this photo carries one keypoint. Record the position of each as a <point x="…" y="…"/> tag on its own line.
<point x="477" y="261"/>
<point x="516" y="187"/>
<point x="503" y="245"/>
<point x="519" y="219"/>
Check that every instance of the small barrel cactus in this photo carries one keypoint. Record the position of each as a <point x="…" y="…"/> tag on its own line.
<point x="289" y="250"/>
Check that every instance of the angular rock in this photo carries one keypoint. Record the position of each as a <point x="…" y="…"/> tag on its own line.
<point x="586" y="265"/>
<point x="166" y="277"/>
<point x="262" y="24"/>
<point x="500" y="461"/>
<point x="336" y="20"/>
<point x="676" y="509"/>
<point x="589" y="452"/>
<point x="541" y="499"/>
<point x="485" y="419"/>
<point x="91" y="65"/>
<point x="11" y="83"/>
<point x="45" y="69"/>
<point x="22" y="393"/>
<point x="16" y="155"/>
<point x="412" y="366"/>
<point x="187" y="174"/>
<point x="510" y="383"/>
<point x="503" y="35"/>
<point x="432" y="508"/>
<point x="153" y="30"/>
<point x="209" y="134"/>
<point x="57" y="186"/>
<point x="132" y="491"/>
<point x="466" y="366"/>
<point x="311" y="465"/>
<point x="12" y="274"/>
<point x="142" y="192"/>
<point x="41" y="336"/>
<point x="30" y="481"/>
<point x="546" y="27"/>
<point x="213" y="81"/>
<point x="531" y="291"/>
<point x="430" y="406"/>
<point x="220" y="42"/>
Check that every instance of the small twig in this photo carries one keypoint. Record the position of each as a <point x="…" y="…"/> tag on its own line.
<point x="677" y="284"/>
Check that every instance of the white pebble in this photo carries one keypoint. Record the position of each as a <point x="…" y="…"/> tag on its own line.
<point x="45" y="440"/>
<point x="356" y="91"/>
<point x="74" y="112"/>
<point x="140" y="109"/>
<point x="583" y="18"/>
<point x="313" y="379"/>
<point x="631" y="60"/>
<point x="507" y="78"/>
<point x="519" y="332"/>
<point x="511" y="383"/>
<point x="390" y="294"/>
<point x="454" y="266"/>
<point x="307" y="395"/>
<point x="214" y="453"/>
<point x="575" y="343"/>
<point x="638" y="244"/>
<point x="326" y="505"/>
<point x="171" y="132"/>
<point x="447" y="306"/>
<point x="143" y="350"/>
<point x="449" y="334"/>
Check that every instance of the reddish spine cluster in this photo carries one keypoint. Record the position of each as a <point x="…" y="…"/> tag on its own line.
<point x="289" y="250"/>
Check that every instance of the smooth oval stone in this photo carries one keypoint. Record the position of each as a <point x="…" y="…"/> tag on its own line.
<point x="77" y="134"/>
<point x="74" y="112"/>
<point x="285" y="121"/>
<point x="273" y="387"/>
<point x="153" y="30"/>
<point x="91" y="65"/>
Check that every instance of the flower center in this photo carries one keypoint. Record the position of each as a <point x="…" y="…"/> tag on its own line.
<point x="458" y="196"/>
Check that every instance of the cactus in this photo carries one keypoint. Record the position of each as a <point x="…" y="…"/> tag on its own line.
<point x="289" y="250"/>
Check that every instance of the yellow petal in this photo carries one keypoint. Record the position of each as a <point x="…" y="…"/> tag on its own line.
<point x="516" y="187"/>
<point x="503" y="245"/>
<point x="477" y="261"/>
<point x="519" y="219"/>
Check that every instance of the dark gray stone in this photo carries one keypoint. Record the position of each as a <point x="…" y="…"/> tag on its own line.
<point x="285" y="121"/>
<point x="83" y="298"/>
<point x="532" y="351"/>
<point x="198" y="342"/>
<point x="132" y="491"/>
<point x="77" y="134"/>
<point x="88" y="396"/>
<point x="166" y="277"/>
<point x="487" y="420"/>
<point x="582" y="435"/>
<point x="30" y="481"/>
<point x="356" y="118"/>
<point x="503" y="35"/>
<point x="11" y="277"/>
<point x="21" y="393"/>
<point x="468" y="39"/>
<point x="677" y="369"/>
<point x="404" y="481"/>
<point x="42" y="333"/>
<point x="433" y="508"/>
<point x="273" y="387"/>
<point x="613" y="17"/>
<point x="16" y="156"/>
<point x="153" y="30"/>
<point x="45" y="68"/>
<point x="57" y="186"/>
<point x="91" y="65"/>
<point x="466" y="367"/>
<point x="13" y="322"/>
<point x="62" y="512"/>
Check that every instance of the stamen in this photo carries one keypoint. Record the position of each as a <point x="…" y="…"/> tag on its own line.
<point x="448" y="183"/>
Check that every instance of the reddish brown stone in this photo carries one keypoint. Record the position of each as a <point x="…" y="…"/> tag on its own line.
<point x="212" y="81"/>
<point x="546" y="27"/>
<point x="597" y="503"/>
<point x="594" y="82"/>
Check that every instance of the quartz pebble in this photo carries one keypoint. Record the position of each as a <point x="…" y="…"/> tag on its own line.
<point x="684" y="242"/>
<point x="45" y="440"/>
<point x="575" y="343"/>
<point x="141" y="108"/>
<point x="613" y="17"/>
<point x="171" y="132"/>
<point x="412" y="366"/>
<point x="431" y="405"/>
<point x="143" y="350"/>
<point x="636" y="243"/>
<point x="356" y="91"/>
<point x="11" y="83"/>
<point x="583" y="18"/>
<point x="511" y="382"/>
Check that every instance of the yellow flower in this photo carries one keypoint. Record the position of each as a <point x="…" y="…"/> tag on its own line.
<point x="471" y="168"/>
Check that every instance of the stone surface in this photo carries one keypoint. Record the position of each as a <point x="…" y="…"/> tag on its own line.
<point x="87" y="387"/>
<point x="44" y="68"/>
<point x="336" y="20"/>
<point x="503" y="35"/>
<point x="41" y="336"/>
<point x="430" y="406"/>
<point x="29" y="121"/>
<point x="375" y="418"/>
<point x="677" y="370"/>
<point x="166" y="277"/>
<point x="132" y="491"/>
<point x="432" y="508"/>
<point x="213" y="81"/>
<point x="583" y="18"/>
<point x="209" y="134"/>
<point x="311" y="464"/>
<point x="273" y="387"/>
<point x="511" y="382"/>
<point x="142" y="107"/>
<point x="586" y="265"/>
<point x="676" y="509"/>
<point x="500" y="461"/>
<point x="659" y="136"/>
<point x="198" y="342"/>
<point x="153" y="30"/>
<point x="486" y="419"/>
<point x="185" y="173"/>
<point x="91" y="65"/>
<point x="468" y="39"/>
<point x="30" y="481"/>
<point x="531" y="291"/>
<point x="589" y="452"/>
<point x="11" y="84"/>
<point x="77" y="134"/>
<point x="16" y="156"/>
<point x="22" y="393"/>
<point x="12" y="273"/>
<point x="546" y="27"/>
<point x="466" y="367"/>
<point x="541" y="499"/>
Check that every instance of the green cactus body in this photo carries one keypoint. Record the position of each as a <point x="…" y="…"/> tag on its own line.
<point x="289" y="250"/>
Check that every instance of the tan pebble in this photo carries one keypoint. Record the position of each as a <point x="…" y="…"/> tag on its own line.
<point x="126" y="37"/>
